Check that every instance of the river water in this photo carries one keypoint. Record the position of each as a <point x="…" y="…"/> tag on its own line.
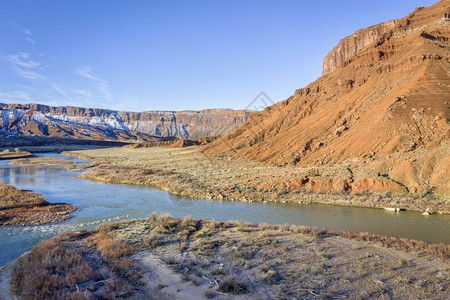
<point x="99" y="202"/>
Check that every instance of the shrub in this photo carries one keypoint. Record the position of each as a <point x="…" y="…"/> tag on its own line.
<point x="109" y="248"/>
<point x="188" y="224"/>
<point x="116" y="287"/>
<point x="234" y="284"/>
<point x="152" y="240"/>
<point x="50" y="269"/>
<point x="106" y="227"/>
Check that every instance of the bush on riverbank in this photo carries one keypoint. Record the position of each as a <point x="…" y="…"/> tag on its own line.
<point x="51" y="270"/>
<point x="75" y="265"/>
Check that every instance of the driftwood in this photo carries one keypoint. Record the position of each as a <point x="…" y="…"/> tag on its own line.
<point x="211" y="282"/>
<point x="309" y="291"/>
<point x="88" y="284"/>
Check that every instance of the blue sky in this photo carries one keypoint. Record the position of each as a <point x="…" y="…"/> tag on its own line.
<point x="172" y="55"/>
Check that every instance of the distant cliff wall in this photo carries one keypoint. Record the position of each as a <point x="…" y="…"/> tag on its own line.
<point x="37" y="119"/>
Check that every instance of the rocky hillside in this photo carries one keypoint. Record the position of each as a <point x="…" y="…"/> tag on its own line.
<point x="380" y="112"/>
<point x="92" y="123"/>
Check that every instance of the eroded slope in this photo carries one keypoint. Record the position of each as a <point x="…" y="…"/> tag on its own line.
<point x="384" y="112"/>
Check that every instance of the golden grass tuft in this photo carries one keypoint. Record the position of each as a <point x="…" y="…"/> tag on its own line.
<point x="109" y="248"/>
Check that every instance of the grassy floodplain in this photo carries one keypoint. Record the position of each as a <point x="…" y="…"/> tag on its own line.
<point x="187" y="172"/>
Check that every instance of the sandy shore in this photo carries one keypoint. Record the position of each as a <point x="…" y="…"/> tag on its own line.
<point x="187" y="172"/>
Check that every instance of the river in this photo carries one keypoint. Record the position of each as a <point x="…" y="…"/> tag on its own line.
<point x="100" y="202"/>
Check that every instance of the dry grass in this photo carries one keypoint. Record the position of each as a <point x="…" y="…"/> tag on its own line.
<point x="111" y="250"/>
<point x="36" y="215"/>
<point x="6" y="154"/>
<point x="187" y="172"/>
<point x="25" y="208"/>
<point x="288" y="261"/>
<point x="51" y="270"/>
<point x="231" y="259"/>
<point x="11" y="197"/>
<point x="79" y="167"/>
<point x="420" y="247"/>
<point x="39" y="161"/>
<point x="116" y="254"/>
<point x="76" y="265"/>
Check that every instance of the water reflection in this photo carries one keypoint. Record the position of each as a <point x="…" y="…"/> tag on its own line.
<point x="15" y="175"/>
<point x="100" y="202"/>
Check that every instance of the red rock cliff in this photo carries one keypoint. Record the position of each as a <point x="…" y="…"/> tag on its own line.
<point x="79" y="122"/>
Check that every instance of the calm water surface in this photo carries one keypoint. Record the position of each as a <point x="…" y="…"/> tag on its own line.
<point x="99" y="202"/>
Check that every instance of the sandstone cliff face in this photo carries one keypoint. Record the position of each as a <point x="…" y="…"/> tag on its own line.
<point x="92" y="123"/>
<point x="362" y="38"/>
<point x="350" y="45"/>
<point x="383" y="113"/>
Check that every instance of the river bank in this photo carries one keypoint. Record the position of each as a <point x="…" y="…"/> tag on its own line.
<point x="189" y="173"/>
<point x="39" y="161"/>
<point x="25" y="208"/>
<point x="98" y="202"/>
<point x="42" y="144"/>
<point x="171" y="258"/>
<point x="6" y="154"/>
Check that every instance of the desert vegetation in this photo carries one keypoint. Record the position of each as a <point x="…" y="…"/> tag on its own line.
<point x="41" y="144"/>
<point x="166" y="258"/>
<point x="25" y="208"/>
<point x="39" y="161"/>
<point x="372" y="132"/>
<point x="12" y="198"/>
<point x="52" y="161"/>
<point x="174" y="143"/>
<point x="188" y="172"/>
<point x="17" y="153"/>
<point x="383" y="119"/>
<point x="79" y="167"/>
<point x="75" y="265"/>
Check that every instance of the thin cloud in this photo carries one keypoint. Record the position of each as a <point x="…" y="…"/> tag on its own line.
<point x="14" y="96"/>
<point x="29" y="74"/>
<point x="28" y="36"/>
<point x="24" y="66"/>
<point x="21" y="59"/>
<point x="85" y="93"/>
<point x="30" y="40"/>
<point x="58" y="89"/>
<point x="101" y="84"/>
